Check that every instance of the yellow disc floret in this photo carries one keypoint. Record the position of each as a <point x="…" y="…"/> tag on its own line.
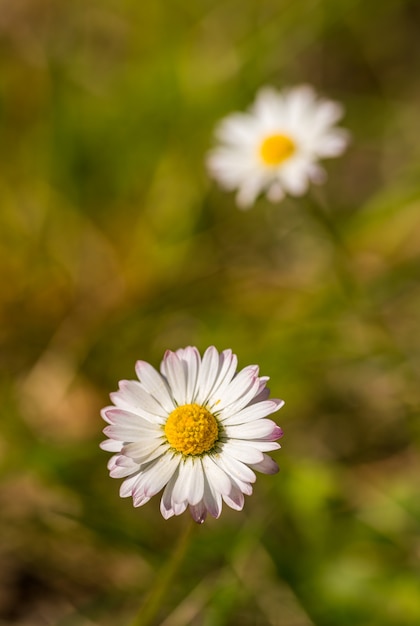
<point x="276" y="148"/>
<point x="191" y="429"/>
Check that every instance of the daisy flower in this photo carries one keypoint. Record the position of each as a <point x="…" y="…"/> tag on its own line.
<point x="197" y="430"/>
<point x="275" y="148"/>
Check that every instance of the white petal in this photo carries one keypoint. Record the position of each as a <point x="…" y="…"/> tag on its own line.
<point x="175" y="371"/>
<point x="128" y="418"/>
<point x="104" y="413"/>
<point x="190" y="483"/>
<point x="266" y="466"/>
<point x="120" y="467"/>
<point x="263" y="446"/>
<point x="237" y="129"/>
<point x="327" y="113"/>
<point x="179" y="507"/>
<point x="294" y="175"/>
<point x="317" y="174"/>
<point x="226" y="368"/>
<point x="236" y="469"/>
<point x="263" y="392"/>
<point x="128" y="485"/>
<point x="301" y="104"/>
<point x="245" y="487"/>
<point x="275" y="192"/>
<point x="269" y="107"/>
<point x="230" y="167"/>
<point x="192" y="359"/>
<point x="235" y="498"/>
<point x="212" y="499"/>
<point x="241" y="402"/>
<point x="246" y="454"/>
<point x="228" y="362"/>
<point x="132" y="396"/>
<point x="252" y="412"/>
<point x="260" y="429"/>
<point x="126" y="426"/>
<point x="130" y="433"/>
<point x="218" y="480"/>
<point x="153" y="382"/>
<point x="140" y="500"/>
<point x="207" y="375"/>
<point x="198" y="512"/>
<point x="275" y="434"/>
<point x="156" y="475"/>
<point x="239" y="387"/>
<point x="145" y="451"/>
<point x="111" y="445"/>
<point x="249" y="189"/>
<point x="166" y="512"/>
<point x="166" y="500"/>
<point x="333" y="144"/>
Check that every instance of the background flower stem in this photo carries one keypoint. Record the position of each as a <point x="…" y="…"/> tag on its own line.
<point x="317" y="208"/>
<point x="164" y="578"/>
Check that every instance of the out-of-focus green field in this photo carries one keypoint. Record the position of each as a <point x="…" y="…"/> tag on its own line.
<point x="115" y="246"/>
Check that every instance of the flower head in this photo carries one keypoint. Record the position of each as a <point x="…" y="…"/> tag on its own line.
<point x="276" y="147"/>
<point x="197" y="429"/>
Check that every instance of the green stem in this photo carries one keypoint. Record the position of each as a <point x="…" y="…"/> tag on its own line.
<point x="320" y="213"/>
<point x="153" y="602"/>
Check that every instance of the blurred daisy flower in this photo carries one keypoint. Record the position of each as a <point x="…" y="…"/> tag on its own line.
<point x="197" y="429"/>
<point x="275" y="148"/>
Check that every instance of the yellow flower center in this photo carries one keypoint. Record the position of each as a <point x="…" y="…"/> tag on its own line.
<point x="276" y="148"/>
<point x="191" y="429"/>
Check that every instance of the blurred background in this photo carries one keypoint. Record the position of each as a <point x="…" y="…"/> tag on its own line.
<point x="115" y="246"/>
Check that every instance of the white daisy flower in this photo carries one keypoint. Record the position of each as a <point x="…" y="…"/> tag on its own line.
<point x="197" y="429"/>
<point x="276" y="147"/>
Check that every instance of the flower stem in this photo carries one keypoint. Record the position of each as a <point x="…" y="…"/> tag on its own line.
<point x="318" y="209"/>
<point x="164" y="578"/>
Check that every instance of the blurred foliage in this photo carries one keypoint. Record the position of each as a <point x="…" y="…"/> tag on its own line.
<point x="115" y="246"/>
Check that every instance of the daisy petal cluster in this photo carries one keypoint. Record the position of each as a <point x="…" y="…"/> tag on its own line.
<point x="198" y="429"/>
<point x="276" y="147"/>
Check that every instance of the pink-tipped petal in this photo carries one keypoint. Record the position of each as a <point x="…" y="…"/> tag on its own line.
<point x="266" y="466"/>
